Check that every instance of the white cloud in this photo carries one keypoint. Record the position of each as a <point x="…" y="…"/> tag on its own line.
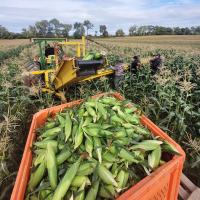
<point x="16" y="14"/>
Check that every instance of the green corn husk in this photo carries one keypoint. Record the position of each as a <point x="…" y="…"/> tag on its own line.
<point x="96" y="150"/>
<point x="154" y="158"/>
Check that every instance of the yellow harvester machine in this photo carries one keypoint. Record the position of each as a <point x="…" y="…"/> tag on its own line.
<point x="58" y="71"/>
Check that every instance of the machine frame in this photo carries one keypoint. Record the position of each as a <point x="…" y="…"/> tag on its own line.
<point x="63" y="73"/>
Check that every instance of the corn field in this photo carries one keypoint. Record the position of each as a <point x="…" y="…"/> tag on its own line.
<point x="171" y="99"/>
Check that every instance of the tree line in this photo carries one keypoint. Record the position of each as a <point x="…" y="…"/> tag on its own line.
<point x="54" y="28"/>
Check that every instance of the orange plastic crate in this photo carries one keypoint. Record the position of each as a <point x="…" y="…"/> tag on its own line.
<point x="162" y="184"/>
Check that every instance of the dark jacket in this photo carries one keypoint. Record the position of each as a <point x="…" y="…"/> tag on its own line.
<point x="155" y="64"/>
<point x="49" y="51"/>
<point x="134" y="66"/>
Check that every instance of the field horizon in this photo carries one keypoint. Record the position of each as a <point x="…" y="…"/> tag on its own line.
<point x="178" y="42"/>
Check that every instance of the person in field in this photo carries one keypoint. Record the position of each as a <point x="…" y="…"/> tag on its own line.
<point x="155" y="63"/>
<point x="49" y="50"/>
<point x="135" y="64"/>
<point x="119" y="74"/>
<point x="37" y="62"/>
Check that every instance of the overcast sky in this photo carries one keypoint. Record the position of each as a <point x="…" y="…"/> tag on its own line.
<point x="17" y="14"/>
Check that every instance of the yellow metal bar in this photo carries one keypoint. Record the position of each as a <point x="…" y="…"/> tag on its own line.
<point x="42" y="71"/>
<point x="78" y="51"/>
<point x="83" y="45"/>
<point x="104" y="73"/>
<point x="46" y="76"/>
